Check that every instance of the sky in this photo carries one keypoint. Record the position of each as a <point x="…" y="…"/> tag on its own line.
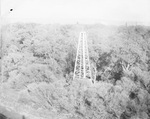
<point x="73" y="11"/>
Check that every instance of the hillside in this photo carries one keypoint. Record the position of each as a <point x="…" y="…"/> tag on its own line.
<point x="38" y="63"/>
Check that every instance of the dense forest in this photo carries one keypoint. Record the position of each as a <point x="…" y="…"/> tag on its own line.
<point x="37" y="64"/>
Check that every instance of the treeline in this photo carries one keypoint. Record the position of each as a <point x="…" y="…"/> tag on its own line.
<point x="38" y="63"/>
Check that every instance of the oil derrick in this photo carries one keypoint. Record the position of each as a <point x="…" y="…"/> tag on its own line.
<point x="82" y="64"/>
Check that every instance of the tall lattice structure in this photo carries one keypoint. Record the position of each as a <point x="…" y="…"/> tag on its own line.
<point x="82" y="65"/>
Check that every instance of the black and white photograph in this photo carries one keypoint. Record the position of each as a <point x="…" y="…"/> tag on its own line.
<point x="74" y="59"/>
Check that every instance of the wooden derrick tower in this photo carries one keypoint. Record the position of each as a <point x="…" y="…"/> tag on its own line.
<point x="82" y="64"/>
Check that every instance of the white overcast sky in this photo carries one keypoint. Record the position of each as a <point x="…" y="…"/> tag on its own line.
<point x="73" y="11"/>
